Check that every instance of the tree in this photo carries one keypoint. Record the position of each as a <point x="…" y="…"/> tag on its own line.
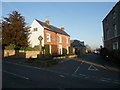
<point x="14" y="30"/>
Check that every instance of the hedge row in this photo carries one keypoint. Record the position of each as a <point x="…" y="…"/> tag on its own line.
<point x="13" y="47"/>
<point x="113" y="55"/>
<point x="46" y="49"/>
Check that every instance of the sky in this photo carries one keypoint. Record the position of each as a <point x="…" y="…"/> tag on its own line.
<point x="82" y="20"/>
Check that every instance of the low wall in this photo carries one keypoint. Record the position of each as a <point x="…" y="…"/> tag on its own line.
<point x="21" y="53"/>
<point x="28" y="54"/>
<point x="9" y="53"/>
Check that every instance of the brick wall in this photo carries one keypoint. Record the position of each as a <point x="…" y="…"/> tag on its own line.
<point x="55" y="40"/>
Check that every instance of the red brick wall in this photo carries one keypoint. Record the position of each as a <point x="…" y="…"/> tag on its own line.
<point x="55" y="41"/>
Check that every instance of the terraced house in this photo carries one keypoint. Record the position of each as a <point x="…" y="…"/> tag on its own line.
<point x="55" y="38"/>
<point x="111" y="28"/>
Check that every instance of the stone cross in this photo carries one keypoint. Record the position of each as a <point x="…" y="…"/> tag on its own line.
<point x="40" y="38"/>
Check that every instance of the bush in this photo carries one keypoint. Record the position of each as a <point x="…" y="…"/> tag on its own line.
<point x="64" y="51"/>
<point x="36" y="48"/>
<point x="10" y="47"/>
<point x="47" y="49"/>
<point x="113" y="55"/>
<point x="26" y="48"/>
<point x="70" y="50"/>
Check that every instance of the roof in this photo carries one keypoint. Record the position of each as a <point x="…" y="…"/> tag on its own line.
<point x="52" y="28"/>
<point x="118" y="3"/>
<point x="76" y="43"/>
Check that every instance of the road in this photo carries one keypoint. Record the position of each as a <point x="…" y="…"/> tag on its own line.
<point x="70" y="73"/>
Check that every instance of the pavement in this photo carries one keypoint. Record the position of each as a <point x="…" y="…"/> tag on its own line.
<point x="89" y="71"/>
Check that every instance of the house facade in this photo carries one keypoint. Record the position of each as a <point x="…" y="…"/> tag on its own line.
<point x="111" y="28"/>
<point x="56" y="38"/>
<point x="79" y="46"/>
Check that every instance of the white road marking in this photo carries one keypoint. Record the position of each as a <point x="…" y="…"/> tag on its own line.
<point x="61" y="75"/>
<point x="76" y="70"/>
<point x="82" y="74"/>
<point x="106" y="78"/>
<point x="38" y="68"/>
<point x="16" y="74"/>
<point x="115" y="81"/>
<point x="82" y="62"/>
<point x="93" y="68"/>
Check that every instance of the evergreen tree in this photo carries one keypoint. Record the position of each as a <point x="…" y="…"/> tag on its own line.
<point x="14" y="30"/>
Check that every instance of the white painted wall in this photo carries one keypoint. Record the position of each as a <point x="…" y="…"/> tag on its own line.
<point x="33" y="37"/>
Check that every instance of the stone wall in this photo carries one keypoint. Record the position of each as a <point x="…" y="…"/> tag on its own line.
<point x="21" y="53"/>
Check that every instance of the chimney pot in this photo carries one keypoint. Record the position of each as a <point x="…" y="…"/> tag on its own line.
<point x="62" y="28"/>
<point x="47" y="21"/>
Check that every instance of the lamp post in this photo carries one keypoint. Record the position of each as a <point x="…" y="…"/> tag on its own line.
<point x="40" y="38"/>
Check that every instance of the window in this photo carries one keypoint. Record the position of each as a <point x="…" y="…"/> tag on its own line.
<point x="106" y="23"/>
<point x="34" y="29"/>
<point x="67" y="40"/>
<point x="113" y="15"/>
<point x="60" y="39"/>
<point x="48" y="37"/>
<point x="107" y="34"/>
<point x="115" y="30"/>
<point x="115" y="45"/>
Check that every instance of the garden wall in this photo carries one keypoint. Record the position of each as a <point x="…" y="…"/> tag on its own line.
<point x="21" y="53"/>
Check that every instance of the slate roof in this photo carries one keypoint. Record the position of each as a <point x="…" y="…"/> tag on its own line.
<point x="52" y="28"/>
<point x="76" y="43"/>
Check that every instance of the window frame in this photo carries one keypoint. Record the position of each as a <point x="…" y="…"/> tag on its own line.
<point x="48" y="38"/>
<point x="35" y="29"/>
<point x="115" y="47"/>
<point x="60" y="39"/>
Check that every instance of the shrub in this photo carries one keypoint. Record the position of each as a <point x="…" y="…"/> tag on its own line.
<point x="26" y="48"/>
<point x="70" y="50"/>
<point x="47" y="49"/>
<point x="36" y="48"/>
<point x="64" y="51"/>
<point x="10" y="47"/>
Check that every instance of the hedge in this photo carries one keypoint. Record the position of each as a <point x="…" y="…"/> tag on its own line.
<point x="10" y="47"/>
<point x="13" y="47"/>
<point x="47" y="49"/>
<point x="64" y="51"/>
<point x="113" y="55"/>
<point x="71" y="50"/>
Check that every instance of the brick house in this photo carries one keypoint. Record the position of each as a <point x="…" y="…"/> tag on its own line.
<point x="111" y="28"/>
<point x="56" y="38"/>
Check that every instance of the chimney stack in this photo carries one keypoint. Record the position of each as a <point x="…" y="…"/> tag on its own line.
<point x="62" y="28"/>
<point x="47" y="21"/>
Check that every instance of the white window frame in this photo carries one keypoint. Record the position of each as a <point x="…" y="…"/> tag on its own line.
<point x="48" y="39"/>
<point x="115" y="45"/>
<point x="67" y="40"/>
<point x="60" y="39"/>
